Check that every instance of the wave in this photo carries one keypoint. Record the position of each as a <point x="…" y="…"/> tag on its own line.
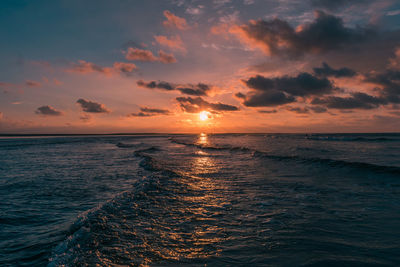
<point x="208" y="147"/>
<point x="91" y="228"/>
<point x="18" y="144"/>
<point x="125" y="145"/>
<point x="135" y="227"/>
<point x="352" y="139"/>
<point x="333" y="162"/>
<point x="310" y="160"/>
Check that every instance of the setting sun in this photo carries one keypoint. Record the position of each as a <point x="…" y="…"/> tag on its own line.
<point x="203" y="115"/>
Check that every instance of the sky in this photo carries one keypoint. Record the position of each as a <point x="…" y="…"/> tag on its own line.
<point x="190" y="66"/>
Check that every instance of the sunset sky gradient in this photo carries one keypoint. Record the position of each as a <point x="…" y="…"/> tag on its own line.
<point x="153" y="66"/>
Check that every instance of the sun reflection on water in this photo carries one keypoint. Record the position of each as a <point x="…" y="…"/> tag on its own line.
<point x="203" y="139"/>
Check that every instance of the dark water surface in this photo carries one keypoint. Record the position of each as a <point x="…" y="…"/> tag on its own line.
<point x="215" y="200"/>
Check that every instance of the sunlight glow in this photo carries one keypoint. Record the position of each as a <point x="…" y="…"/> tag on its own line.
<point x="204" y="115"/>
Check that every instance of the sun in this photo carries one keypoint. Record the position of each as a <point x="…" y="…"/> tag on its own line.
<point x="203" y="116"/>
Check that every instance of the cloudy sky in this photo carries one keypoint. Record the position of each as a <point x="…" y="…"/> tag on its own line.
<point x="97" y="66"/>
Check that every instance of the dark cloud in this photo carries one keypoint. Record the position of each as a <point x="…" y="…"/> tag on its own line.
<point x="150" y="112"/>
<point x="355" y="101"/>
<point x="48" y="111"/>
<point x="156" y="85"/>
<point x="303" y="84"/>
<point x="154" y="110"/>
<point x="267" y="99"/>
<point x="389" y="81"/>
<point x="299" y="110"/>
<point x="318" y="109"/>
<point x="240" y="95"/>
<point x="199" y="89"/>
<point x="277" y="91"/>
<point x="278" y="37"/>
<point x="268" y="111"/>
<point x="327" y="71"/>
<point x="92" y="107"/>
<point x="197" y="104"/>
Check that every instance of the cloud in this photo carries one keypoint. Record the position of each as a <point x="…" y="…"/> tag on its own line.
<point x="174" y="21"/>
<point x="84" y="67"/>
<point x="174" y="43"/>
<point x="299" y="110"/>
<point x="1" y="115"/>
<point x="303" y="84"/>
<point x="148" y="56"/>
<point x="248" y="2"/>
<point x="48" y="111"/>
<point x="195" y="10"/>
<point x="389" y="82"/>
<point x="278" y="38"/>
<point x="197" y="104"/>
<point x="327" y="71"/>
<point x="199" y="89"/>
<point x="92" y="107"/>
<point x="395" y="62"/>
<point x="139" y="54"/>
<point x="267" y="99"/>
<point x="268" y="111"/>
<point x="166" y="58"/>
<point x="355" y="101"/>
<point x="329" y="4"/>
<point x="267" y="92"/>
<point x="85" y="117"/>
<point x="393" y="12"/>
<point x="33" y="83"/>
<point x="318" y="109"/>
<point x="150" y="112"/>
<point x="240" y="95"/>
<point x="156" y="85"/>
<point x="3" y="84"/>
<point x="124" y="67"/>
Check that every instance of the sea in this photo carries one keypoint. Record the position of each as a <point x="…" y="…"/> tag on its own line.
<point x="200" y="200"/>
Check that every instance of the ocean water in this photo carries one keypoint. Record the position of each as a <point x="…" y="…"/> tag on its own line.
<point x="200" y="200"/>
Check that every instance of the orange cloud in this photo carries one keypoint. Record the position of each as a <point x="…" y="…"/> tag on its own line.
<point x="174" y="21"/>
<point x="220" y="29"/>
<point x="140" y="54"/>
<point x="175" y="43"/>
<point x="124" y="67"/>
<point x="147" y="55"/>
<point x="166" y="58"/>
<point x="84" y="67"/>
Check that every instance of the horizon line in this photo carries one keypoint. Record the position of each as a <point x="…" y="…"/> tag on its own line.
<point x="154" y="133"/>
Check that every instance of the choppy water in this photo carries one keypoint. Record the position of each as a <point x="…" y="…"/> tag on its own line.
<point x="261" y="200"/>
